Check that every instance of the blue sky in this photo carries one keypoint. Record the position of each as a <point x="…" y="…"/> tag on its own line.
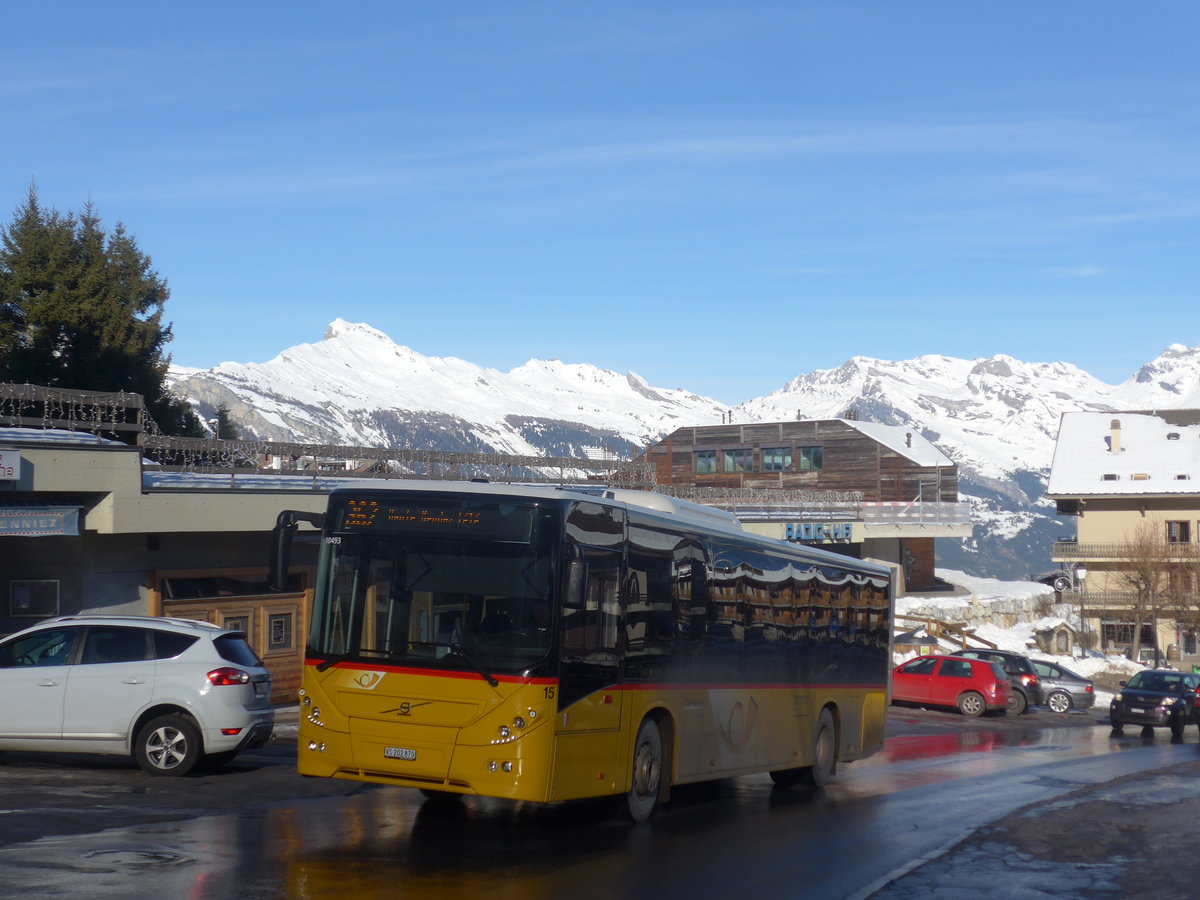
<point x="717" y="196"/>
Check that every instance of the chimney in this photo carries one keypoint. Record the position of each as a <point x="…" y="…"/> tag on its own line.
<point x="1114" y="440"/>
<point x="908" y="439"/>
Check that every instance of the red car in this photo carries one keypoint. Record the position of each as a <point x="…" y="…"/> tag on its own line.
<point x="975" y="686"/>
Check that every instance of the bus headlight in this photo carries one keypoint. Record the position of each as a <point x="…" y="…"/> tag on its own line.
<point x="518" y="723"/>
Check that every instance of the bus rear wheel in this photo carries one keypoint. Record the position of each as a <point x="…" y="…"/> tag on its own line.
<point x="643" y="794"/>
<point x="824" y="753"/>
<point x="824" y="756"/>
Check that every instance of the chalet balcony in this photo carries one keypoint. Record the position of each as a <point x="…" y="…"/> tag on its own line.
<point x="1073" y="551"/>
<point x="1097" y="600"/>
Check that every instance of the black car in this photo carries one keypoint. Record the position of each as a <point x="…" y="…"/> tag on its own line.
<point x="1027" y="690"/>
<point x="1156" y="697"/>
<point x="1063" y="689"/>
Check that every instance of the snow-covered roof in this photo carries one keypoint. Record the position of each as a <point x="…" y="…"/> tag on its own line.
<point x="240" y="479"/>
<point x="1153" y="456"/>
<point x="54" y="436"/>
<point x="903" y="440"/>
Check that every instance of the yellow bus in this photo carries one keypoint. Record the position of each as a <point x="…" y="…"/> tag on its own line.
<point x="544" y="643"/>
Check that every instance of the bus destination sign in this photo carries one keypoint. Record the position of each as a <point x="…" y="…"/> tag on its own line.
<point x="494" y="522"/>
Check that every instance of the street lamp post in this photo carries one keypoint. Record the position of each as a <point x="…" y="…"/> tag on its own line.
<point x="1080" y="579"/>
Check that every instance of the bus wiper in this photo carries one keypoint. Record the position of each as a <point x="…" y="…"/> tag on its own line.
<point x="336" y="658"/>
<point x="332" y="660"/>
<point x="461" y="651"/>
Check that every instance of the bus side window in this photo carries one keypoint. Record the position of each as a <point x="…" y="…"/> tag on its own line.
<point x="595" y="626"/>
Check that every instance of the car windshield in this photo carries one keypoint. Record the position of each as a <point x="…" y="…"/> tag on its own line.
<point x="1167" y="682"/>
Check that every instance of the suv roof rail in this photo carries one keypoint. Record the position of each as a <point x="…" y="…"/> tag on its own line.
<point x="109" y="617"/>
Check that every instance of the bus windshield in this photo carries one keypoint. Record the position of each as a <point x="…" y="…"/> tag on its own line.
<point x="450" y="582"/>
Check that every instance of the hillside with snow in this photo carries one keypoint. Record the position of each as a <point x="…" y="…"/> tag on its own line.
<point x="996" y="418"/>
<point x="358" y="387"/>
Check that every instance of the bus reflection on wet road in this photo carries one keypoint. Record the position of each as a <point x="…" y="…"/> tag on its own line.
<point x="730" y="838"/>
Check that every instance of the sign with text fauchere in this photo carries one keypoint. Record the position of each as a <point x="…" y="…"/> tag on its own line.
<point x="818" y="531"/>
<point x="10" y="465"/>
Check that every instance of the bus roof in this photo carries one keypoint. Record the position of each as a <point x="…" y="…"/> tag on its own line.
<point x="673" y="507"/>
<point x="683" y="511"/>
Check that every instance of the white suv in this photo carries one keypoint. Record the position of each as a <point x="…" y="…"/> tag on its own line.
<point x="171" y="692"/>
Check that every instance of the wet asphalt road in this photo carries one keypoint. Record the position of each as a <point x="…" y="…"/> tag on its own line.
<point x="76" y="826"/>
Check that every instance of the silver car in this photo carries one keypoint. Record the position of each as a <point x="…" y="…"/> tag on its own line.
<point x="173" y="693"/>
<point x="1063" y="689"/>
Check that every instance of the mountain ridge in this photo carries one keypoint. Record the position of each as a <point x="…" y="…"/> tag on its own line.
<point x="996" y="417"/>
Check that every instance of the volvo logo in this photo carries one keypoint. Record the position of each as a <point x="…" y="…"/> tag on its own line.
<point x="404" y="709"/>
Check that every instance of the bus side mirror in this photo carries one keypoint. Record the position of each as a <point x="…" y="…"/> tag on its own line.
<point x="576" y="579"/>
<point x="281" y="545"/>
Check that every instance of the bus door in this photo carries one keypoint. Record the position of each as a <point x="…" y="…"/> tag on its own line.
<point x="588" y="724"/>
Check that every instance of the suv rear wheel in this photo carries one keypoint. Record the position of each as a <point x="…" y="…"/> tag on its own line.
<point x="168" y="745"/>
<point x="1017" y="702"/>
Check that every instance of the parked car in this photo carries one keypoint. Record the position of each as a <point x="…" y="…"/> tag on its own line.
<point x="1063" y="689"/>
<point x="973" y="686"/>
<point x="170" y="692"/>
<point x="1026" y="691"/>
<point x="1153" y="698"/>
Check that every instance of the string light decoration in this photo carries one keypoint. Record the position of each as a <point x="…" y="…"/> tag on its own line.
<point x="121" y="414"/>
<point x="98" y="412"/>
<point x="769" y="502"/>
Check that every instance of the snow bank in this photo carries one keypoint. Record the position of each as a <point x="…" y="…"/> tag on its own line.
<point x="1008" y="614"/>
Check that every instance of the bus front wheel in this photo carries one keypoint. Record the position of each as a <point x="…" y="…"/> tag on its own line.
<point x="647" y="772"/>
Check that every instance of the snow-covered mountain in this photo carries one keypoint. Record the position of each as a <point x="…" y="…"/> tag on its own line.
<point x="357" y="387"/>
<point x="996" y="418"/>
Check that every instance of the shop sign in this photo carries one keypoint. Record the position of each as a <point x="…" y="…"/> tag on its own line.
<point x="10" y="465"/>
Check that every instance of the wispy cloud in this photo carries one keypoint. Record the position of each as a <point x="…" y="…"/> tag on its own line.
<point x="1078" y="271"/>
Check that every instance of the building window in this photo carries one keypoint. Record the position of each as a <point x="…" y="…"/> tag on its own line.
<point x="776" y="459"/>
<point x="738" y="460"/>
<point x="203" y="587"/>
<point x="706" y="462"/>
<point x="279" y="632"/>
<point x="1179" y="533"/>
<point x="36" y="599"/>
<point x="809" y="457"/>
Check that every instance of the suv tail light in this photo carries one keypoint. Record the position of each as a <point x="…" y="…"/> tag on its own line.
<point x="228" y="675"/>
<point x="1029" y="680"/>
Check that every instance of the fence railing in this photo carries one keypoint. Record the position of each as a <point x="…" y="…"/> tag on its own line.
<point x="952" y="632"/>
<point x="936" y="513"/>
<point x="1067" y="551"/>
<point x="124" y="417"/>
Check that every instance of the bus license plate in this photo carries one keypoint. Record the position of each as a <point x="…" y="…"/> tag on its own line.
<point x="399" y="753"/>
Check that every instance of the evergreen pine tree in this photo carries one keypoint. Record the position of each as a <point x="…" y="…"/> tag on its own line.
<point x="226" y="430"/>
<point x="83" y="309"/>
